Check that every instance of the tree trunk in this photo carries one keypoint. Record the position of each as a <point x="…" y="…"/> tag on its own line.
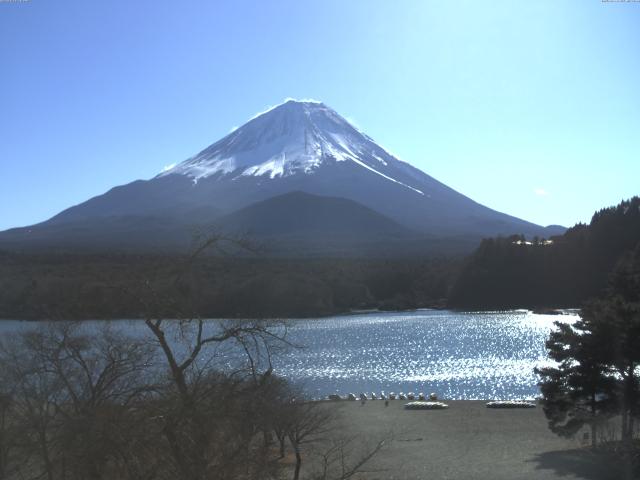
<point x="296" y="473"/>
<point x="176" y="452"/>
<point x="594" y="413"/>
<point x="176" y="372"/>
<point x="267" y="438"/>
<point x="628" y="399"/>
<point x="623" y="429"/>
<point x="46" y="458"/>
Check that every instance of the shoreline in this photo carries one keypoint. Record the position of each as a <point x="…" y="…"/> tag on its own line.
<point x="537" y="311"/>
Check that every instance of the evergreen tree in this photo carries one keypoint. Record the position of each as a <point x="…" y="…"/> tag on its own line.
<point x="616" y="322"/>
<point x="579" y="391"/>
<point x="598" y="372"/>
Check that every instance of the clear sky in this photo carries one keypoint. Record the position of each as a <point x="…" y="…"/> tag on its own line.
<point x="529" y="107"/>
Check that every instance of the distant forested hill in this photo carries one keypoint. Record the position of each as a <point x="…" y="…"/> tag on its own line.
<point x="563" y="272"/>
<point x="80" y="286"/>
<point x="504" y="272"/>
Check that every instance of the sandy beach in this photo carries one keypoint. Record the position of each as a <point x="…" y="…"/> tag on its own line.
<point x="470" y="441"/>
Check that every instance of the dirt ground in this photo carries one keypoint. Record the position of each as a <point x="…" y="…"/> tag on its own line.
<point x="470" y="441"/>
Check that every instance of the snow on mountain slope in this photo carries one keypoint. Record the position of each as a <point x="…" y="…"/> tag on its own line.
<point x="296" y="137"/>
<point x="297" y="146"/>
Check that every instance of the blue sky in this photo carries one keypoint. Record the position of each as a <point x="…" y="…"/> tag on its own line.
<point x="531" y="108"/>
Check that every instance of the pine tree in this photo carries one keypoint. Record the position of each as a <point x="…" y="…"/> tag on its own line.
<point x="615" y="320"/>
<point x="579" y="391"/>
<point x="598" y="372"/>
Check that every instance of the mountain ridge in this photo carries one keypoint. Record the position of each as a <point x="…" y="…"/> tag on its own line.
<point x="297" y="146"/>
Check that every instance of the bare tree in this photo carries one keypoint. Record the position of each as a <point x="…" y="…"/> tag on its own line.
<point x="314" y="430"/>
<point x="189" y="399"/>
<point x="10" y="435"/>
<point x="73" y="393"/>
<point x="217" y="369"/>
<point x="346" y="456"/>
<point x="308" y="423"/>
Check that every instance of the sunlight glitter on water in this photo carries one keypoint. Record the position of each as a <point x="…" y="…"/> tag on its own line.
<point x="472" y="355"/>
<point x="482" y="355"/>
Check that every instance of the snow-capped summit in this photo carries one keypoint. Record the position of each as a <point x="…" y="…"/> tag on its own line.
<point x="298" y="170"/>
<point x="295" y="137"/>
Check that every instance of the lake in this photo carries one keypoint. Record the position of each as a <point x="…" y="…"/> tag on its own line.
<point x="458" y="355"/>
<point x="488" y="355"/>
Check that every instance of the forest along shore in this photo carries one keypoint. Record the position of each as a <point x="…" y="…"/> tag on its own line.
<point x="111" y="286"/>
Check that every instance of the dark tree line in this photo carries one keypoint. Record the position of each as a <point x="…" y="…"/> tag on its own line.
<point x="597" y="380"/>
<point x="90" y="286"/>
<point x="563" y="271"/>
<point x="507" y="272"/>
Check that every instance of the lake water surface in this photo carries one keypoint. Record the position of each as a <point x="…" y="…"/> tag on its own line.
<point x="486" y="355"/>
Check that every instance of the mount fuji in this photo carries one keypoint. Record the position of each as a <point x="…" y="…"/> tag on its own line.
<point x="298" y="175"/>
